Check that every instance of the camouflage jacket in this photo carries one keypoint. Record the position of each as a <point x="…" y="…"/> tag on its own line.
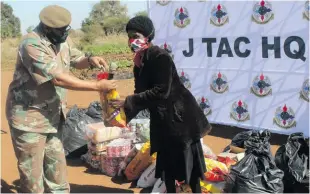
<point x="34" y="103"/>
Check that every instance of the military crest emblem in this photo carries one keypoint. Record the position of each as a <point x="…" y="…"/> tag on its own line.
<point x="181" y="19"/>
<point x="204" y="104"/>
<point x="306" y="10"/>
<point x="285" y="117"/>
<point x="219" y="15"/>
<point x="261" y="86"/>
<point x="262" y="12"/>
<point x="163" y="2"/>
<point x="219" y="83"/>
<point x="304" y="92"/>
<point x="239" y="111"/>
<point x="184" y="78"/>
<point x="168" y="48"/>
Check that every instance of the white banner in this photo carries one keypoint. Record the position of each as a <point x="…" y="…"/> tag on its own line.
<point x="247" y="62"/>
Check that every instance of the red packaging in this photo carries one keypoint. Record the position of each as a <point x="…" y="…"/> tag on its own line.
<point x="102" y="75"/>
<point x="119" y="148"/>
<point x="226" y="160"/>
<point x="110" y="165"/>
<point x="216" y="175"/>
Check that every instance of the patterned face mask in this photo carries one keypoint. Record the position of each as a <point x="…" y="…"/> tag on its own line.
<point x="138" y="44"/>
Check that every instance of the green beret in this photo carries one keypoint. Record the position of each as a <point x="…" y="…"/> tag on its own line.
<point x="55" y="16"/>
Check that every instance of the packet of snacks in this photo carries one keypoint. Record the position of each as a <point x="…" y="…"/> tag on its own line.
<point x="115" y="117"/>
<point x="118" y="148"/>
<point x="133" y="152"/>
<point x="110" y="165"/>
<point x="141" y="161"/>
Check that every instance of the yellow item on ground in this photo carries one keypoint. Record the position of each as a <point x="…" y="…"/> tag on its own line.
<point x="211" y="187"/>
<point x="140" y="162"/>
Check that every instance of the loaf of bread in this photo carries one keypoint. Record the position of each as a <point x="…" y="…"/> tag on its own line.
<point x="98" y="132"/>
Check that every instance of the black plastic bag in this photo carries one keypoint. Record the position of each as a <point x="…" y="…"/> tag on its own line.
<point x="78" y="152"/>
<point x="95" y="111"/>
<point x="73" y="130"/>
<point x="293" y="159"/>
<point x="257" y="171"/>
<point x="240" y="138"/>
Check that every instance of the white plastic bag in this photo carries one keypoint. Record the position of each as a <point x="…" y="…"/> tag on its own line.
<point x="208" y="153"/>
<point x="159" y="187"/>
<point x="147" y="179"/>
<point x="142" y="127"/>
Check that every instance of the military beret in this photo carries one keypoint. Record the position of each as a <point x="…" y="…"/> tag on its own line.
<point x="55" y="16"/>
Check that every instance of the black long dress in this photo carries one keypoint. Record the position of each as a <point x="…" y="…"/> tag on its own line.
<point x="176" y="121"/>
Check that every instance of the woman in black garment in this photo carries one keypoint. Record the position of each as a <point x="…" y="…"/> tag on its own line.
<point x="176" y="121"/>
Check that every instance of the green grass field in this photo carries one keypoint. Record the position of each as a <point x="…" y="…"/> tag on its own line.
<point x="107" y="48"/>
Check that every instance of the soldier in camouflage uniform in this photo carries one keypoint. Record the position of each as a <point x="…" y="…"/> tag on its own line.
<point x="36" y="100"/>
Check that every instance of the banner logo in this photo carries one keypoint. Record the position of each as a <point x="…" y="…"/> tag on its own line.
<point x="262" y="12"/>
<point x="261" y="86"/>
<point x="168" y="48"/>
<point x="163" y="2"/>
<point x="219" y="83"/>
<point x="181" y="18"/>
<point x="219" y="15"/>
<point x="285" y="117"/>
<point x="304" y="92"/>
<point x="184" y="78"/>
<point x="306" y="10"/>
<point x="239" y="111"/>
<point x="204" y="104"/>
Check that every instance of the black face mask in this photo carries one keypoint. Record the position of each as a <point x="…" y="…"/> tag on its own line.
<point x="58" y="36"/>
<point x="55" y="38"/>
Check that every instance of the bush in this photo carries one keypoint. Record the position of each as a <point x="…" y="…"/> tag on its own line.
<point x="91" y="33"/>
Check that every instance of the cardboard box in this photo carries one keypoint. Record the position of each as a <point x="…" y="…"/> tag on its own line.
<point x="235" y="149"/>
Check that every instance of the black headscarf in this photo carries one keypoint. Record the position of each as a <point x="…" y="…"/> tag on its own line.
<point x="143" y="25"/>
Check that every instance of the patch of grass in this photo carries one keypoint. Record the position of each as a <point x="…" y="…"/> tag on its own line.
<point x="112" y="44"/>
<point x="107" y="48"/>
<point x="124" y="63"/>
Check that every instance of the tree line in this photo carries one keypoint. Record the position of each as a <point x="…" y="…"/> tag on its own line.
<point x="105" y="18"/>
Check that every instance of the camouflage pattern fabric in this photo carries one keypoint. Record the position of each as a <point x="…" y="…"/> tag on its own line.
<point x="34" y="149"/>
<point x="34" y="104"/>
<point x="35" y="109"/>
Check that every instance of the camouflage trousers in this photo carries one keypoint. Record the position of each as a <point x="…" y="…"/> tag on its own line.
<point x="41" y="162"/>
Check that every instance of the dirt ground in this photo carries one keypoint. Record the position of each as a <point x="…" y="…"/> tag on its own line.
<point x="81" y="179"/>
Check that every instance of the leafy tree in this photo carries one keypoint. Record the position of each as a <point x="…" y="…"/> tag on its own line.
<point x="110" y="15"/>
<point x="91" y="33"/>
<point x="10" y="24"/>
<point x="143" y="13"/>
<point x="115" y="25"/>
<point x="30" y="28"/>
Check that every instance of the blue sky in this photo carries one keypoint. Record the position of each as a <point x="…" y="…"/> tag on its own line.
<point x="28" y="11"/>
